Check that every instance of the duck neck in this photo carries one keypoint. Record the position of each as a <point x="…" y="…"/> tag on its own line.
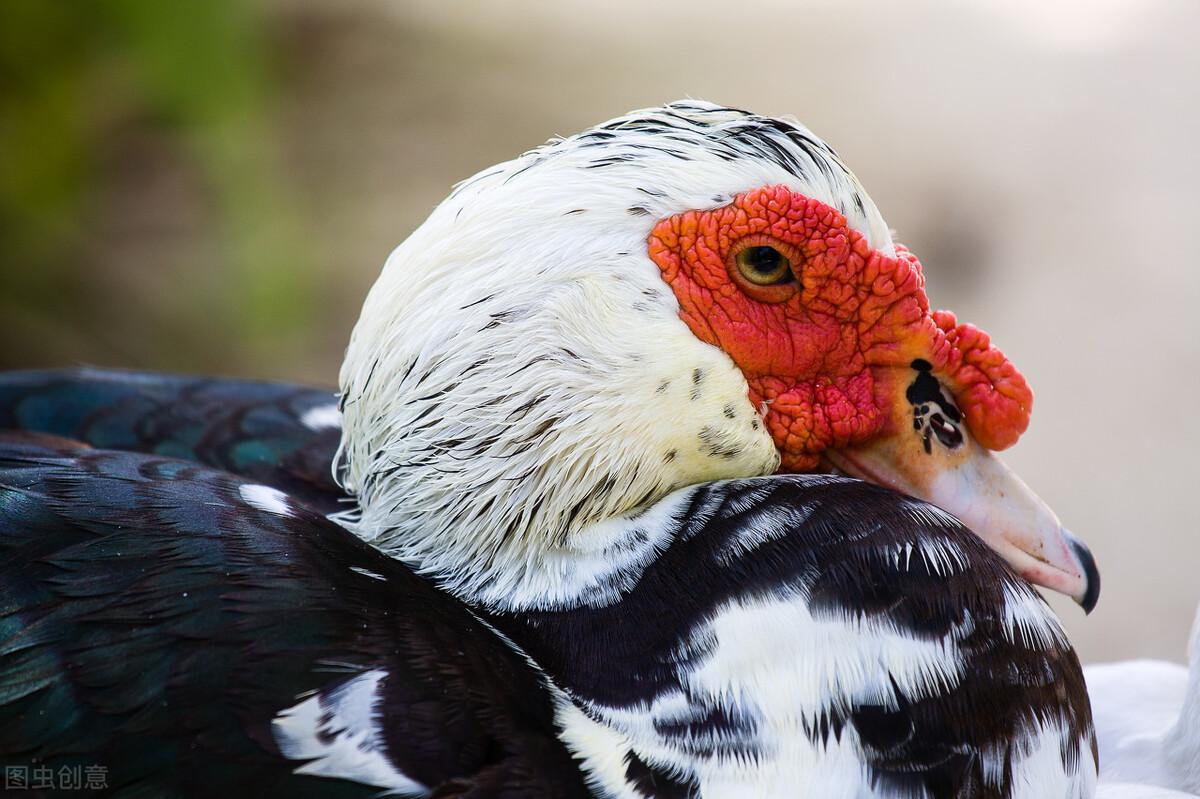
<point x="596" y="565"/>
<point x="593" y="565"/>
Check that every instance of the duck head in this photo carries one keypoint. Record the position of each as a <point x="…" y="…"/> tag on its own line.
<point x="680" y="295"/>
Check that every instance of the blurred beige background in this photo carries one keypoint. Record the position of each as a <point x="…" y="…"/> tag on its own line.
<point x="215" y="189"/>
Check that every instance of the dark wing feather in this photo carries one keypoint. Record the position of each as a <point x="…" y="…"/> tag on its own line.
<point x="155" y="622"/>
<point x="249" y="428"/>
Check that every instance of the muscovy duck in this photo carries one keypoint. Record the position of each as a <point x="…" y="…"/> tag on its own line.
<point x="565" y="406"/>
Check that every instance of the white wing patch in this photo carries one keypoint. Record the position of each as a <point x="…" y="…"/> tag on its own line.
<point x="751" y="671"/>
<point x="266" y="499"/>
<point x="600" y="749"/>
<point x="1041" y="772"/>
<point x="846" y="660"/>
<point x="322" y="417"/>
<point x="337" y="732"/>
<point x="1027" y="620"/>
<point x="774" y="663"/>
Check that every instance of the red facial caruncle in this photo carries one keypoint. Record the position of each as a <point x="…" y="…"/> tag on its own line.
<point x="820" y="350"/>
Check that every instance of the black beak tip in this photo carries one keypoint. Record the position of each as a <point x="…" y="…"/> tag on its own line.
<point x="1090" y="572"/>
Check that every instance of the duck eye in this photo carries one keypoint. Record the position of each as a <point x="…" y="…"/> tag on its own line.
<point x="764" y="266"/>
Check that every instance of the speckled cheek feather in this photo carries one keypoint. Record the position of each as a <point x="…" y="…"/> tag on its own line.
<point x="817" y="356"/>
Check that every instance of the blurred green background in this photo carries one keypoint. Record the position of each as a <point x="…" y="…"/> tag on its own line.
<point x="212" y="187"/>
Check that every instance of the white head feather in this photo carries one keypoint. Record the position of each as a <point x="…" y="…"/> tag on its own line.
<point x="520" y="372"/>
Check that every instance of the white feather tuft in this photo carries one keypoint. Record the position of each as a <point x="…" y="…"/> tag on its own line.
<point x="337" y="734"/>
<point x="265" y="498"/>
<point x="322" y="417"/>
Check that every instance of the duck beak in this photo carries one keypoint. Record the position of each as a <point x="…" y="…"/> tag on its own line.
<point x="929" y="454"/>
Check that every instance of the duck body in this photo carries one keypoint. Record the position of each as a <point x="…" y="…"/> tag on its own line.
<point x="930" y="670"/>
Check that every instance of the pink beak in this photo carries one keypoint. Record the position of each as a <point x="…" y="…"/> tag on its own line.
<point x="973" y="484"/>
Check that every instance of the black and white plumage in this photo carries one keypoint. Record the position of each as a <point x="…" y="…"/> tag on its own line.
<point x="530" y="427"/>
<point x="814" y="636"/>
<point x="910" y="634"/>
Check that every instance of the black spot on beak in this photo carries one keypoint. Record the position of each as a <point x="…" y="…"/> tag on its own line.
<point x="933" y="414"/>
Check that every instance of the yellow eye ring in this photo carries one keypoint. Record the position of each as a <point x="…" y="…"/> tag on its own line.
<point x="764" y="265"/>
<point x="765" y="268"/>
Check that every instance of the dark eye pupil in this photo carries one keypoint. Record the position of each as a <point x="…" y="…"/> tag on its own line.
<point x="762" y="259"/>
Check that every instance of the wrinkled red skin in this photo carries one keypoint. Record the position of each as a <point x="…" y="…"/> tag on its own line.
<point x="825" y="359"/>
